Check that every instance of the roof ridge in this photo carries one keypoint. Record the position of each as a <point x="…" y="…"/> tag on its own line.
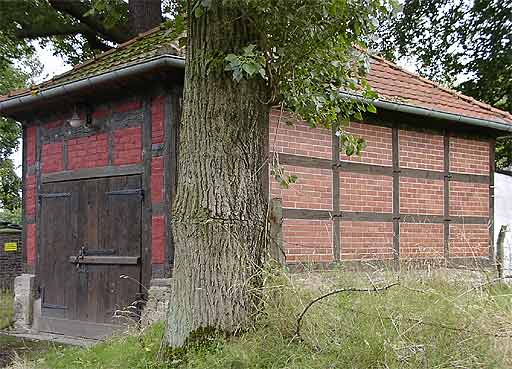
<point x="469" y="99"/>
<point x="106" y="53"/>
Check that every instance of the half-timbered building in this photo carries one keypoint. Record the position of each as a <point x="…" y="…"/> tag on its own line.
<point x="99" y="171"/>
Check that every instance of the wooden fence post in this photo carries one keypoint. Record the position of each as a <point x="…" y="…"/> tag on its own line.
<point x="276" y="230"/>
<point x="500" y="250"/>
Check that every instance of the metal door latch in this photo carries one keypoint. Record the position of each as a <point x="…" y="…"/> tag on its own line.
<point x="81" y="254"/>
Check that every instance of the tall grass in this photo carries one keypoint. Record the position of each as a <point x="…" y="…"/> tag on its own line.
<point x="6" y="308"/>
<point x="428" y="321"/>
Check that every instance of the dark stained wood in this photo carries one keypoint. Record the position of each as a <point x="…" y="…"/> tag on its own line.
<point x="446" y="189"/>
<point x="147" y="129"/>
<point x="89" y="173"/>
<point x="366" y="216"/>
<point x="304" y="161"/>
<point x="471" y="178"/>
<point x="396" y="192"/>
<point x="169" y="117"/>
<point x="54" y="274"/>
<point x="290" y="213"/>
<point x="492" y="169"/>
<point x="420" y="173"/>
<point x="38" y="173"/>
<point x="24" y="169"/>
<point x="107" y="260"/>
<point x="336" y="231"/>
<point x="103" y="216"/>
<point x="352" y="167"/>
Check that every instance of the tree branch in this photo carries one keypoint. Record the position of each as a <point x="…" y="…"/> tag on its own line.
<point x="343" y="290"/>
<point x="31" y="31"/>
<point x="77" y="10"/>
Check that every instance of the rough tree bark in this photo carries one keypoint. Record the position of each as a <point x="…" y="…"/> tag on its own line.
<point x="144" y="15"/>
<point x="219" y="210"/>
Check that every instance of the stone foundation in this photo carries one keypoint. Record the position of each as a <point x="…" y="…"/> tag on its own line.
<point x="23" y="301"/>
<point x="158" y="301"/>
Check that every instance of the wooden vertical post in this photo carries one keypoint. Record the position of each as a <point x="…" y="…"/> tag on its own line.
<point x="276" y="231"/>
<point x="500" y="250"/>
<point x="447" y="176"/>
<point x="146" y="240"/>
<point x="336" y="211"/>
<point x="396" y="193"/>
<point x="492" y="167"/>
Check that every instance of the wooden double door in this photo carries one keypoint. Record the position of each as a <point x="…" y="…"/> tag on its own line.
<point x="89" y="263"/>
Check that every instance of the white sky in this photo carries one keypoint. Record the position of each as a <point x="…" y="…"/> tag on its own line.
<point x="53" y="65"/>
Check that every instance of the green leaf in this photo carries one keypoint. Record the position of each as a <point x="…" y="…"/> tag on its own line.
<point x="250" y="68"/>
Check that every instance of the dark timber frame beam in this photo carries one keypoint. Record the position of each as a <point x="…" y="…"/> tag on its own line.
<point x="336" y="231"/>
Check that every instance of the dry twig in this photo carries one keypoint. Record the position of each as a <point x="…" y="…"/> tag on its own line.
<point x="343" y="290"/>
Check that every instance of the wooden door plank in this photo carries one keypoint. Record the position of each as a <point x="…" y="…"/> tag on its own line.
<point x="105" y="260"/>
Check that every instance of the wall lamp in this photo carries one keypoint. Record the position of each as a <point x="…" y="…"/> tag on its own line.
<point x="76" y="121"/>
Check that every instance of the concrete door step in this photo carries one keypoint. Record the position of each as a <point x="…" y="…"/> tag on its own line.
<point x="57" y="338"/>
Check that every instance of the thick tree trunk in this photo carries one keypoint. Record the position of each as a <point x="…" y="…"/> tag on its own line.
<point x="144" y="15"/>
<point x="219" y="216"/>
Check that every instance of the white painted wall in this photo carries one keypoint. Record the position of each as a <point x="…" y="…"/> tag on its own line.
<point x="503" y="214"/>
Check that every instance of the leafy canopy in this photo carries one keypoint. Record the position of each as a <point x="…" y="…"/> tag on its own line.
<point x="309" y="51"/>
<point x="465" y="44"/>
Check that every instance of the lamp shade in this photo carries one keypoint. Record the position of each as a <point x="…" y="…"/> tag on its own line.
<point x="75" y="121"/>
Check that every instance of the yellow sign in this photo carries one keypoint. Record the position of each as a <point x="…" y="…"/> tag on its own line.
<point x="10" y="246"/>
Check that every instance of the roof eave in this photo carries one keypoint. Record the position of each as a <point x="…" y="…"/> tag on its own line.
<point x="173" y="61"/>
<point x="432" y="113"/>
<point x="16" y="103"/>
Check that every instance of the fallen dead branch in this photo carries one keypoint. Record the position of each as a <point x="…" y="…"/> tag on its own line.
<point x="374" y="289"/>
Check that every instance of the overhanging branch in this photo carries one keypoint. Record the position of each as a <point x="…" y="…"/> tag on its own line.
<point x="32" y="31"/>
<point x="78" y="9"/>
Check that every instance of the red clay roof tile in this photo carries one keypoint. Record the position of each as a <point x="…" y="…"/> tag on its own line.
<point x="391" y="82"/>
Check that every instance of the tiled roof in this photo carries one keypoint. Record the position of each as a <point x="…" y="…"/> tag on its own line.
<point x="395" y="84"/>
<point x="145" y="46"/>
<point x="392" y="83"/>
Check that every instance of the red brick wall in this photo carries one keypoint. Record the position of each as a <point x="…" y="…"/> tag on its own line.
<point x="469" y="240"/>
<point x="373" y="193"/>
<point x="299" y="138"/>
<point x="469" y="156"/>
<point x="127" y="146"/>
<point x="421" y="150"/>
<point x="421" y="196"/>
<point x="52" y="158"/>
<point x="30" y="195"/>
<point x="313" y="189"/>
<point x="364" y="192"/>
<point x="157" y="120"/>
<point x="307" y="240"/>
<point x="158" y="239"/>
<point x="128" y="105"/>
<point x="421" y="240"/>
<point x="31" y="137"/>
<point x="88" y="152"/>
<point x="157" y="180"/>
<point x="379" y="144"/>
<point x="469" y="199"/>
<point x="366" y="240"/>
<point x="31" y="244"/>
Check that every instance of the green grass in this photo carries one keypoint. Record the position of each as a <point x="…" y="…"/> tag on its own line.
<point x="6" y="309"/>
<point x="426" y="322"/>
